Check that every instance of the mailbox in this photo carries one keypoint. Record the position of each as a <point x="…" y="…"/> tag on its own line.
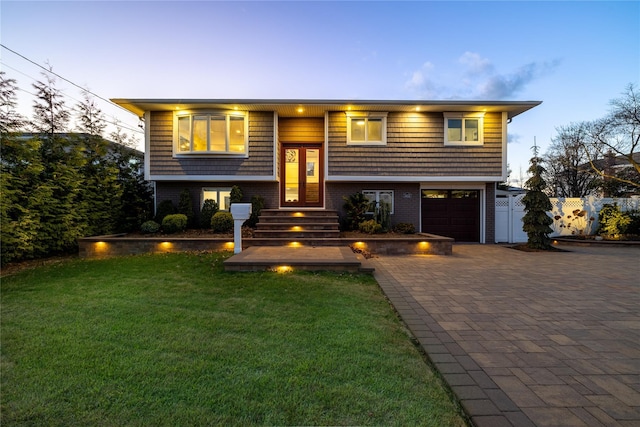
<point x="241" y="211"/>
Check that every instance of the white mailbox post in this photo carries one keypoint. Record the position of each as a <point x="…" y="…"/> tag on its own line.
<point x="240" y="213"/>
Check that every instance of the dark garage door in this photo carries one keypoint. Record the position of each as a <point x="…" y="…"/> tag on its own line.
<point x="452" y="213"/>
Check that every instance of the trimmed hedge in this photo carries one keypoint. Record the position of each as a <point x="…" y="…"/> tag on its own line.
<point x="174" y="223"/>
<point x="222" y="222"/>
<point x="149" y="227"/>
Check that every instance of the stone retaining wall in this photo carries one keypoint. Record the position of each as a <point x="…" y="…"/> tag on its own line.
<point x="118" y="245"/>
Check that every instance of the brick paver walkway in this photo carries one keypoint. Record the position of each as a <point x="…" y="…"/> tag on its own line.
<point x="545" y="339"/>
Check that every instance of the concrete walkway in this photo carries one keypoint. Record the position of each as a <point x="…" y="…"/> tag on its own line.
<point x="524" y="339"/>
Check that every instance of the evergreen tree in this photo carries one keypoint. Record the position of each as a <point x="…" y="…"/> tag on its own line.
<point x="20" y="169"/>
<point x="536" y="222"/>
<point x="100" y="198"/>
<point x="61" y="220"/>
<point x="137" y="195"/>
<point x="185" y="206"/>
<point x="10" y="120"/>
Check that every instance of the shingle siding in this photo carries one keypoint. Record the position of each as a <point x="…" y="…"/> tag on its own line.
<point x="259" y="162"/>
<point x="415" y="147"/>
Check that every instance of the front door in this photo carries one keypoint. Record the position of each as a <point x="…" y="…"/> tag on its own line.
<point x="301" y="179"/>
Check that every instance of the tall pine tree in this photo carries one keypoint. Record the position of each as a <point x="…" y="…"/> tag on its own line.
<point x="20" y="171"/>
<point x="137" y="195"/>
<point x="61" y="218"/>
<point x="100" y="197"/>
<point x="536" y="222"/>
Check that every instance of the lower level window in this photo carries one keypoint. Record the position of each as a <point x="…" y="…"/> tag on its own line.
<point x="377" y="197"/>
<point x="221" y="196"/>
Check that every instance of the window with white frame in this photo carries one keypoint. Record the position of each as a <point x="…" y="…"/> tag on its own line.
<point x="463" y="128"/>
<point x="377" y="197"/>
<point x="366" y="128"/>
<point x="223" y="133"/>
<point x="221" y="196"/>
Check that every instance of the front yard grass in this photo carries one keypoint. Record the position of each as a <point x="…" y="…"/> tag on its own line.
<point x="174" y="340"/>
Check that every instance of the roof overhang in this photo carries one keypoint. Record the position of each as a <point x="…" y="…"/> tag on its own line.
<point x="317" y="108"/>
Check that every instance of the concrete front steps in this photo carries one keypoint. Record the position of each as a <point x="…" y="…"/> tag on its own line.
<point x="305" y="239"/>
<point x="283" y="259"/>
<point x="305" y="227"/>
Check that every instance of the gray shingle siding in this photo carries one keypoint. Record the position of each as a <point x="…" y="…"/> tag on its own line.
<point x="259" y="162"/>
<point x="415" y="147"/>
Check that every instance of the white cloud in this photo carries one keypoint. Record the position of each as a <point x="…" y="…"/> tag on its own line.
<point x="476" y="79"/>
<point x="420" y="81"/>
<point x="513" y="138"/>
<point x="475" y="63"/>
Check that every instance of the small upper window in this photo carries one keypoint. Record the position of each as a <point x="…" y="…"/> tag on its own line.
<point x="366" y="128"/>
<point x="211" y="133"/>
<point x="463" y="128"/>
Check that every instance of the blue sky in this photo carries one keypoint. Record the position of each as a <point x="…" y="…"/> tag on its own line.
<point x="574" y="56"/>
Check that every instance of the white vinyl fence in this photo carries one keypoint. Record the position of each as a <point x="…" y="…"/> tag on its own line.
<point x="571" y="216"/>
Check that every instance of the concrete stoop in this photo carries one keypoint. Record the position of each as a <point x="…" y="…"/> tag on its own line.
<point x="283" y="259"/>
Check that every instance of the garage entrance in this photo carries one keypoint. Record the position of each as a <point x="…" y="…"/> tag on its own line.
<point x="452" y="213"/>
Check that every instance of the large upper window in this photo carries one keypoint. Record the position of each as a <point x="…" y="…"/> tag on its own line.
<point x="463" y="128"/>
<point x="366" y="128"/>
<point x="211" y="133"/>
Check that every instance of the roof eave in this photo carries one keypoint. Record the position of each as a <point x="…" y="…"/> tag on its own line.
<point x="140" y="106"/>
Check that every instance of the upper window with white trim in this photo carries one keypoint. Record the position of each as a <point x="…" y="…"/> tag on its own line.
<point x="366" y="128"/>
<point x="463" y="128"/>
<point x="211" y="133"/>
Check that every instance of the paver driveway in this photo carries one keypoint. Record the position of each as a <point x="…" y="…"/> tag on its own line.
<point x="546" y="339"/>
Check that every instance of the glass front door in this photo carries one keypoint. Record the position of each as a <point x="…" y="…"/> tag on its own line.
<point x="302" y="175"/>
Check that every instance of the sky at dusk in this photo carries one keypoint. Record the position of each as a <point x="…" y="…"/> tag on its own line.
<point x="573" y="56"/>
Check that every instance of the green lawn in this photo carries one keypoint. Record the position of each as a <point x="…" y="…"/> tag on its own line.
<point x="174" y="340"/>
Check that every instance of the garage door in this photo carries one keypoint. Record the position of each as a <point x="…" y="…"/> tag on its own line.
<point x="452" y="213"/>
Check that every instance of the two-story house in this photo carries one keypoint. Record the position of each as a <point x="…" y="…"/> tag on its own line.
<point x="436" y="163"/>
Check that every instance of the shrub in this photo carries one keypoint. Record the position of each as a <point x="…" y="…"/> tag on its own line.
<point x="257" y="203"/>
<point x="634" y="226"/>
<point x="356" y="207"/>
<point x="382" y="215"/>
<point x="222" y="222"/>
<point x="404" y="228"/>
<point x="209" y="209"/>
<point x="370" y="227"/>
<point x="149" y="227"/>
<point x="165" y="208"/>
<point x="174" y="223"/>
<point x="185" y="206"/>
<point x="613" y="221"/>
<point x="236" y="194"/>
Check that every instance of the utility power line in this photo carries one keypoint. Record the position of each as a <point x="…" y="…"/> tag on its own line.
<point x="70" y="82"/>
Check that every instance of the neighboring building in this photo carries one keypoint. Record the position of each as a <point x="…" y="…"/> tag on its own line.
<point x="112" y="147"/>
<point x="436" y="162"/>
<point x="618" y="166"/>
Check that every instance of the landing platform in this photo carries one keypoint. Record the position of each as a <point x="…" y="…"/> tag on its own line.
<point x="309" y="258"/>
